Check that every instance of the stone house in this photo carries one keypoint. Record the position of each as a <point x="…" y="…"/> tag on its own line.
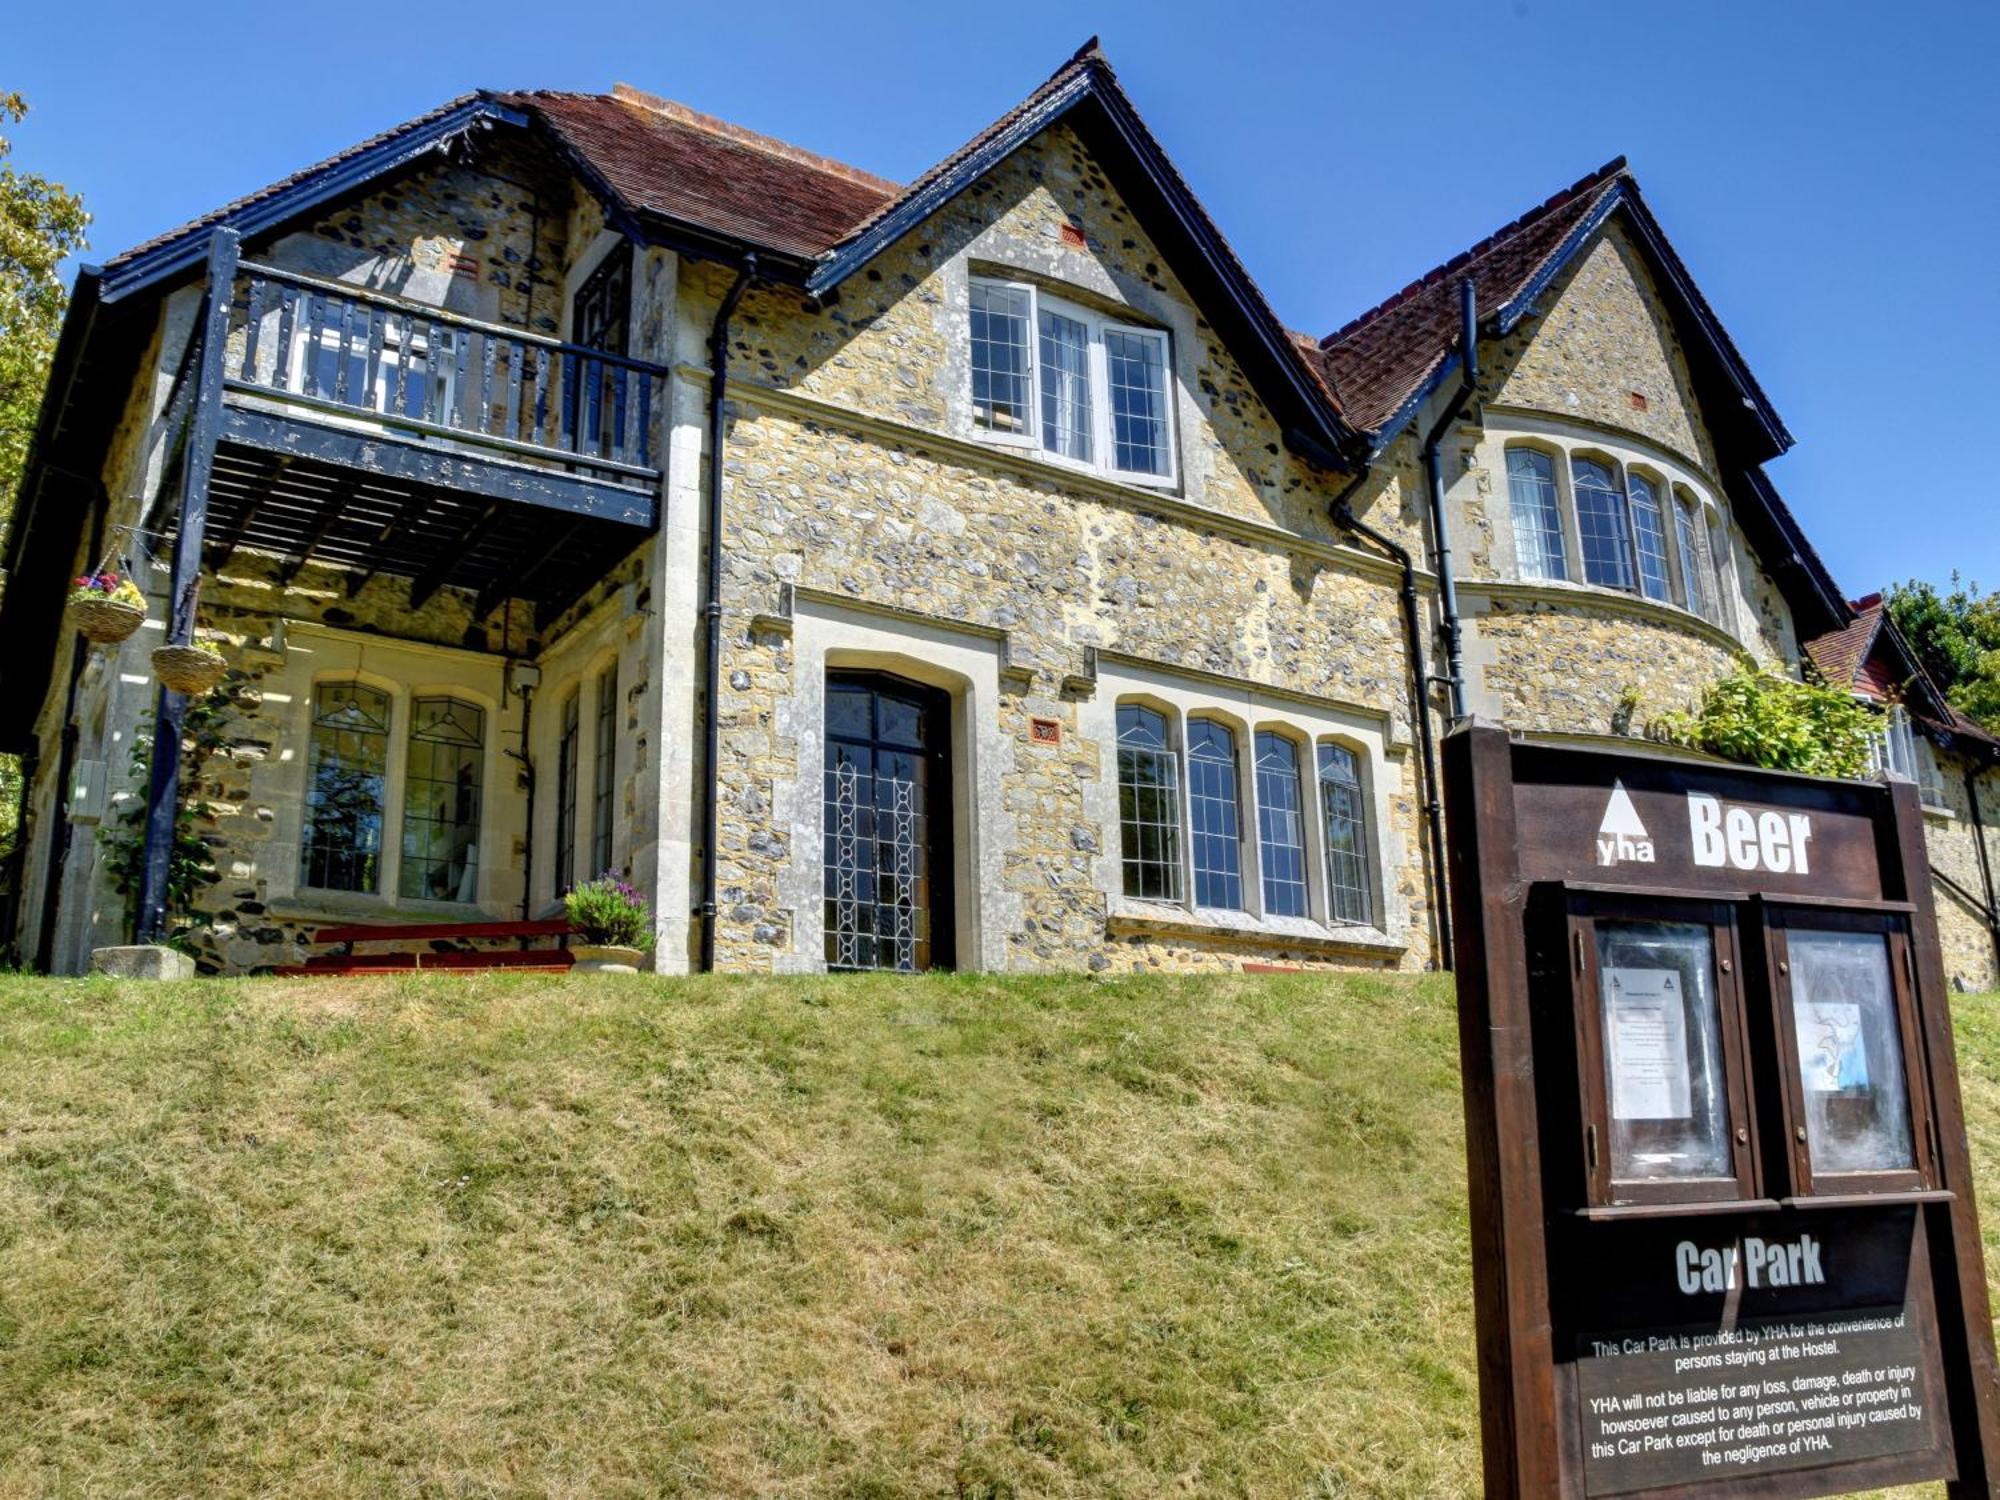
<point x="1922" y="738"/>
<point x="968" y="573"/>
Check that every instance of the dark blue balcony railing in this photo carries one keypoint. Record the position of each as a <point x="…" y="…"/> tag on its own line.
<point x="437" y="377"/>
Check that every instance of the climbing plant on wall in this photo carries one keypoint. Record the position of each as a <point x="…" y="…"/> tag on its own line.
<point x="191" y="865"/>
<point x="1760" y="718"/>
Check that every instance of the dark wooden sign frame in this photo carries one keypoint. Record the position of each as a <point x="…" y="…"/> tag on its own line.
<point x="1592" y="1292"/>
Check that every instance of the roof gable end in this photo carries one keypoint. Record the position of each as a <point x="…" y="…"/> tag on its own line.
<point x="1085" y="93"/>
<point x="1386" y="362"/>
<point x="179" y="250"/>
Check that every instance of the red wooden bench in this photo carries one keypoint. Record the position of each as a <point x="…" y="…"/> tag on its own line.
<point x="348" y="961"/>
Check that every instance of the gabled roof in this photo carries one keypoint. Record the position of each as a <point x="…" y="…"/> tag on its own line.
<point x="669" y="166"/>
<point x="1873" y="659"/>
<point x="178" y="250"/>
<point x="1385" y="363"/>
<point x="675" y="174"/>
<point x="1842" y="656"/>
<point x="1085" y="92"/>
<point x="668" y="174"/>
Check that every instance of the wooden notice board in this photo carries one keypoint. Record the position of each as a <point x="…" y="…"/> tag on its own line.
<point x="1724" y="1238"/>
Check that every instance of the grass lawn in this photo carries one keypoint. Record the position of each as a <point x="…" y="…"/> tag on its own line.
<point x="525" y="1235"/>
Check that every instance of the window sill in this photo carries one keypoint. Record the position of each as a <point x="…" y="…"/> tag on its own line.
<point x="1128" y="916"/>
<point x="1553" y="591"/>
<point x="1938" y="814"/>
<point x="1029" y="447"/>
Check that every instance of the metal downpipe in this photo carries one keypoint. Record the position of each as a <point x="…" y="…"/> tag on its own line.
<point x="711" y="790"/>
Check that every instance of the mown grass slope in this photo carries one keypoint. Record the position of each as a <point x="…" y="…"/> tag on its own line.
<point x="523" y="1236"/>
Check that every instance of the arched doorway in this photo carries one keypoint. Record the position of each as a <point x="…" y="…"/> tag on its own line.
<point x="887" y="856"/>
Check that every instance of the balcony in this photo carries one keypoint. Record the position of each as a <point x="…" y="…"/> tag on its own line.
<point x="386" y="437"/>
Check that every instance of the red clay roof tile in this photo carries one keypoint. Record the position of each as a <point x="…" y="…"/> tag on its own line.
<point x="663" y="158"/>
<point x="1383" y="357"/>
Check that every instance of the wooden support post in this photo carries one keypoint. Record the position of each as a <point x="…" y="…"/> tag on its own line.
<point x="204" y="421"/>
<point x="1517" y="1398"/>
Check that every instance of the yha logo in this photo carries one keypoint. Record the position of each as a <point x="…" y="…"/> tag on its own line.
<point x="1622" y="837"/>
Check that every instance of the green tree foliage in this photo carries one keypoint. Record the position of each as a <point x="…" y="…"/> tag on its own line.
<point x="1957" y="633"/>
<point x="40" y="223"/>
<point x="1762" y="719"/>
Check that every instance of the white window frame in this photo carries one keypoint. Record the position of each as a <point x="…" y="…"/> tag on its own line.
<point x="1306" y="732"/>
<point x="402" y="695"/>
<point x="1674" y="484"/>
<point x="1102" y="445"/>
<point x="1897" y="750"/>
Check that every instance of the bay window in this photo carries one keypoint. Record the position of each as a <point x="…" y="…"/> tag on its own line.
<point x="441" y="800"/>
<point x="1070" y="383"/>
<point x="1695" y="568"/>
<point x="1346" y="834"/>
<point x="1149" y="804"/>
<point x="1281" y="838"/>
<point x="1636" y="529"/>
<point x="568" y="744"/>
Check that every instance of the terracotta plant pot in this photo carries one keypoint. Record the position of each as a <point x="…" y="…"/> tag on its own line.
<point x="106" y="621"/>
<point x="593" y="958"/>
<point x="187" y="669"/>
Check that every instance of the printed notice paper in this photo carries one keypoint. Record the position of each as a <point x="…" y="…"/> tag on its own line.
<point x="1832" y="1056"/>
<point x="1647" y="1024"/>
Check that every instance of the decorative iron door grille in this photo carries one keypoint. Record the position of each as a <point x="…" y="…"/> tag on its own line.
<point x="887" y="811"/>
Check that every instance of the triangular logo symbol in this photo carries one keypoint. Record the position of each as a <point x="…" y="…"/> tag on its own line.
<point x="1620" y="816"/>
<point x="1621" y="836"/>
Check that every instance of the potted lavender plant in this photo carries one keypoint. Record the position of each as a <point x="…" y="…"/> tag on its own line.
<point x="613" y="926"/>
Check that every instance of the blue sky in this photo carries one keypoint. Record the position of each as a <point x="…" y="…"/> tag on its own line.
<point x="1828" y="171"/>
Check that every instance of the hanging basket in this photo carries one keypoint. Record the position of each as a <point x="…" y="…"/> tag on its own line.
<point x="106" y="621"/>
<point x="188" y="669"/>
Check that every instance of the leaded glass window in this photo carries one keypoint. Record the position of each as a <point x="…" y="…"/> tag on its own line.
<point x="1346" y="835"/>
<point x="1601" y="525"/>
<point x="441" y="800"/>
<point x="566" y="769"/>
<point x="1649" y="537"/>
<point x="1212" y="809"/>
<point x="887" y="877"/>
<point x="1718" y="556"/>
<point x="1538" y="538"/>
<point x="346" y="770"/>
<point x="1066" y="380"/>
<point x="1694" y="558"/>
<point x="1002" y="376"/>
<point x="1136" y="375"/>
<point x="1281" y="826"/>
<point x="1066" y="413"/>
<point x="1149" y="805"/>
<point x="604" y="760"/>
